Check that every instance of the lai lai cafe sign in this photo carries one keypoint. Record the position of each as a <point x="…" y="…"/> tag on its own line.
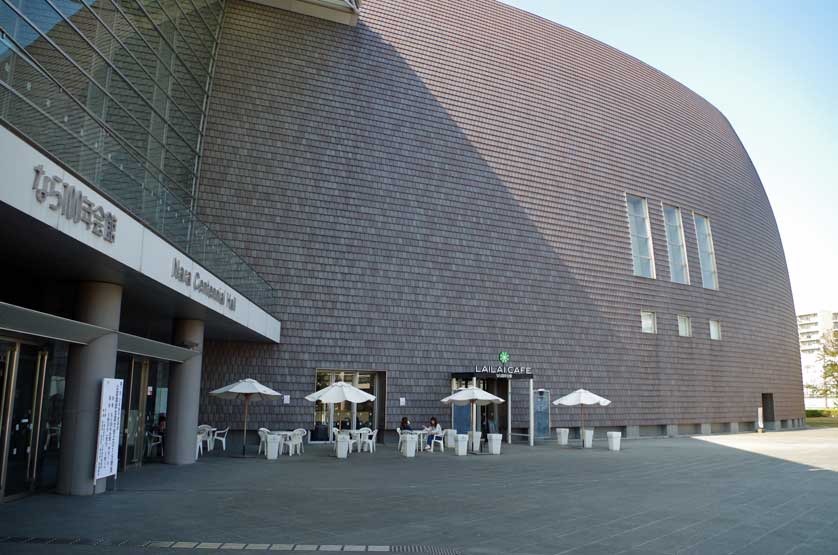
<point x="497" y="371"/>
<point x="73" y="204"/>
<point x="503" y="370"/>
<point x="202" y="285"/>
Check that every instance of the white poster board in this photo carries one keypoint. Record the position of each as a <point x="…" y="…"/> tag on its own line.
<point x="107" y="445"/>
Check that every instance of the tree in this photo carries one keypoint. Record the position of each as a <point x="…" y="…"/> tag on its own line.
<point x="829" y="358"/>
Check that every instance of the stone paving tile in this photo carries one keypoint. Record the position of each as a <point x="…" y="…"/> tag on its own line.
<point x="657" y="496"/>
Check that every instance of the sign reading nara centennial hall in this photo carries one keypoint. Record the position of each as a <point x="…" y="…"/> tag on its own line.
<point x="203" y="286"/>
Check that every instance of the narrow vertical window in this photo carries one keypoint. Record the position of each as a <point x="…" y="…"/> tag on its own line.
<point x="678" y="267"/>
<point x="648" y="322"/>
<point x="706" y="252"/>
<point x="715" y="330"/>
<point x="641" y="237"/>
<point x="685" y="326"/>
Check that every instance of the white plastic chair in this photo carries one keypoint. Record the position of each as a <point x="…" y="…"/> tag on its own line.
<point x="153" y="441"/>
<point x="220" y="436"/>
<point x="302" y="432"/>
<point x="401" y="438"/>
<point x="263" y="441"/>
<point x="207" y="430"/>
<point x="437" y="439"/>
<point x="369" y="442"/>
<point x="335" y="433"/>
<point x="199" y="450"/>
<point x="360" y="437"/>
<point x="294" y="443"/>
<point x="53" y="432"/>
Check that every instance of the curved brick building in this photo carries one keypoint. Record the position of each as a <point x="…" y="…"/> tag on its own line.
<point x="392" y="194"/>
<point x="448" y="180"/>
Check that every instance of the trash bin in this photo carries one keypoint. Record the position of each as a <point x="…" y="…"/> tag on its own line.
<point x="409" y="448"/>
<point x="562" y="435"/>
<point x="450" y="437"/>
<point x="342" y="446"/>
<point x="461" y="448"/>
<point x="614" y="440"/>
<point x="474" y="441"/>
<point x="588" y="436"/>
<point x="494" y="441"/>
<point x="272" y="448"/>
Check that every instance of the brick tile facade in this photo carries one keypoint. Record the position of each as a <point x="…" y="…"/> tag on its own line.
<point x="447" y="180"/>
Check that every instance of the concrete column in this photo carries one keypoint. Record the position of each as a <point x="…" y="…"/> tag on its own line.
<point x="672" y="430"/>
<point x="706" y="429"/>
<point x="184" y="396"/>
<point x="734" y="427"/>
<point x="99" y="304"/>
<point x="632" y="432"/>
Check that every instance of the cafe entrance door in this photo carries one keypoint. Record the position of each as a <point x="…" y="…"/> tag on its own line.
<point x="491" y="419"/>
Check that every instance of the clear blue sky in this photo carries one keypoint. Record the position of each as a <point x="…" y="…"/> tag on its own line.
<point x="772" y="68"/>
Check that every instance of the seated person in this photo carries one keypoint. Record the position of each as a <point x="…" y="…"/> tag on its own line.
<point x="405" y="424"/>
<point x="433" y="429"/>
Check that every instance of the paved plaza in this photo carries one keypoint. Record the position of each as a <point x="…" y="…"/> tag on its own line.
<point x="747" y="493"/>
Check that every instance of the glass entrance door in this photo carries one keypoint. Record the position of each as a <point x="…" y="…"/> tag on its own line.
<point x="134" y="372"/>
<point x="24" y="368"/>
<point x="346" y="415"/>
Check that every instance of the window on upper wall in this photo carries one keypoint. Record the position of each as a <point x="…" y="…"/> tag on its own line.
<point x="648" y="322"/>
<point x="677" y="247"/>
<point x="641" y="237"/>
<point x="715" y="330"/>
<point x="685" y="326"/>
<point x="706" y="252"/>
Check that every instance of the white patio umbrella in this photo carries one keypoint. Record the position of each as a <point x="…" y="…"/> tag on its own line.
<point x="246" y="389"/>
<point x="473" y="396"/>
<point x="339" y="392"/>
<point x="581" y="397"/>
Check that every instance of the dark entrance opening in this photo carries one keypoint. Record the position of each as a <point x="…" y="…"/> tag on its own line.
<point x="768" y="410"/>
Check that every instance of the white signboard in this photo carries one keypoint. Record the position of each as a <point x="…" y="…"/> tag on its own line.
<point x="110" y="411"/>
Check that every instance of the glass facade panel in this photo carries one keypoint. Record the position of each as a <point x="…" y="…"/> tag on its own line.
<point x="685" y="328"/>
<point x="706" y="252"/>
<point x="365" y="413"/>
<point x="641" y="237"/>
<point x="715" y="330"/>
<point x="117" y="92"/>
<point x="648" y="322"/>
<point x="676" y="246"/>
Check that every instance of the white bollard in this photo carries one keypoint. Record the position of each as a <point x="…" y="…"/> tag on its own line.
<point x="272" y="447"/>
<point x="342" y="446"/>
<point x="562" y="435"/>
<point x="614" y="440"/>
<point x="588" y="435"/>
<point x="450" y="438"/>
<point x="474" y="441"/>
<point x="461" y="445"/>
<point x="410" y="446"/>
<point x="494" y="441"/>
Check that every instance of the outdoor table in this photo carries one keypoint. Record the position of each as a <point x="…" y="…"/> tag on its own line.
<point x="284" y="436"/>
<point x="421" y="439"/>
